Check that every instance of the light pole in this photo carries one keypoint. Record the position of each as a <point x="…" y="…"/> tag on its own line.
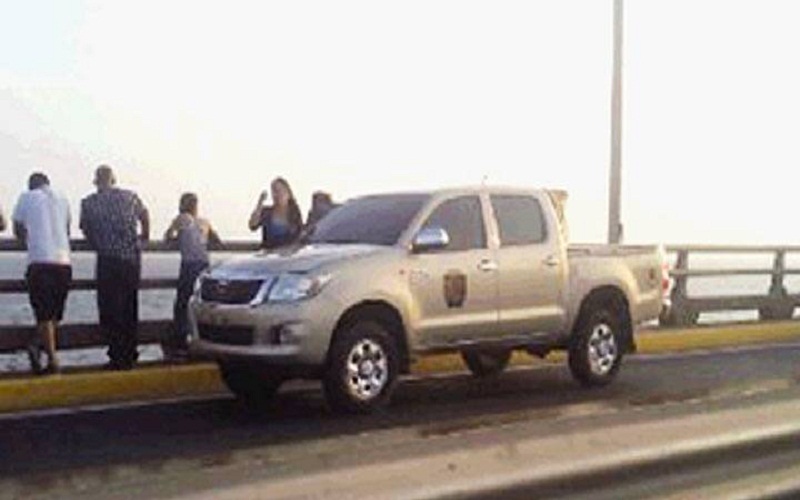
<point x="615" y="178"/>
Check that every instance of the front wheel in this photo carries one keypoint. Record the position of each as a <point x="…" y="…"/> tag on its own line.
<point x="484" y="363"/>
<point x="251" y="385"/>
<point x="595" y="354"/>
<point x="362" y="368"/>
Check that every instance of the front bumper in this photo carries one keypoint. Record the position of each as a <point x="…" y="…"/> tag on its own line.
<point x="275" y="334"/>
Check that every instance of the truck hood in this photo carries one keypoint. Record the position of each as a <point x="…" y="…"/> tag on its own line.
<point x="291" y="260"/>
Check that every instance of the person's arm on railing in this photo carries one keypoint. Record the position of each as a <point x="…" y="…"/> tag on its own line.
<point x="213" y="238"/>
<point x="18" y="220"/>
<point x="69" y="221"/>
<point x="20" y="232"/>
<point x="86" y="227"/>
<point x="144" y="218"/>
<point x="172" y="230"/>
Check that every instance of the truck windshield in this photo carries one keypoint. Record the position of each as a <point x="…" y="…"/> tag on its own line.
<point x="372" y="220"/>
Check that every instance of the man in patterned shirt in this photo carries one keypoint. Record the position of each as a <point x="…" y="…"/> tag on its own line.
<point x="109" y="219"/>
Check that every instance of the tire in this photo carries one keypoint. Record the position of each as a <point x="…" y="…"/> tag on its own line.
<point x="362" y="370"/>
<point x="485" y="363"/>
<point x="596" y="351"/>
<point x="251" y="385"/>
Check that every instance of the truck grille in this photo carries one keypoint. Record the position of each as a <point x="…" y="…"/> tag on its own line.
<point x="229" y="291"/>
<point x="228" y="335"/>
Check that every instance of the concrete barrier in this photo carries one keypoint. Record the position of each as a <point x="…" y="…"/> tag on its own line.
<point x="158" y="382"/>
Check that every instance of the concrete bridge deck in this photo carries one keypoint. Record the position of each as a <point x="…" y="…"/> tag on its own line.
<point x="155" y="382"/>
<point x="210" y="447"/>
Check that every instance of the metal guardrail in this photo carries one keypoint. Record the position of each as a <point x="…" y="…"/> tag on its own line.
<point x="775" y="304"/>
<point x="82" y="335"/>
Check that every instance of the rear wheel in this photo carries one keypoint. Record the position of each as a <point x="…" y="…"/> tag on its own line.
<point x="485" y="363"/>
<point x="595" y="355"/>
<point x="362" y="368"/>
<point x="250" y="384"/>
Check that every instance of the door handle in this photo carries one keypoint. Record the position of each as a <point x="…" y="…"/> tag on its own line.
<point x="551" y="261"/>
<point x="487" y="266"/>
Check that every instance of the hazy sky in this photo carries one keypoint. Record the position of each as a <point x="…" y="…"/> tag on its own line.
<point x="358" y="97"/>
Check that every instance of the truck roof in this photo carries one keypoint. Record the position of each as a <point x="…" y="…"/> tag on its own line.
<point x="462" y="190"/>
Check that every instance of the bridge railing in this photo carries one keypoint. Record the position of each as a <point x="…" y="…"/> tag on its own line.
<point x="15" y="338"/>
<point x="774" y="303"/>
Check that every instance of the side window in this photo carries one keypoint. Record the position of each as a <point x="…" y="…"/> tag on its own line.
<point x="462" y="218"/>
<point x="520" y="220"/>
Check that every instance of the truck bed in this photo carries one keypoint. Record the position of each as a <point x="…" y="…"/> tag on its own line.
<point x="601" y="250"/>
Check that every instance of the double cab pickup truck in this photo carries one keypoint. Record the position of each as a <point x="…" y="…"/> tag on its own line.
<point x="385" y="279"/>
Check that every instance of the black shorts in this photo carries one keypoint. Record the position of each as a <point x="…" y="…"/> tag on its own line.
<point x="48" y="285"/>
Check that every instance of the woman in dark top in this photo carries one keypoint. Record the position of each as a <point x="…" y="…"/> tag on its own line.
<point x="281" y="222"/>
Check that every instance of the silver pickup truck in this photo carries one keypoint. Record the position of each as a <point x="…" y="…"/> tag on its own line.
<point x="385" y="279"/>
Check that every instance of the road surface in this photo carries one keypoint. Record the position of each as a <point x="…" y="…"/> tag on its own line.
<point x="192" y="447"/>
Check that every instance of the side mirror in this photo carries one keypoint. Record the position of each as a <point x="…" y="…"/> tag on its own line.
<point x="430" y="238"/>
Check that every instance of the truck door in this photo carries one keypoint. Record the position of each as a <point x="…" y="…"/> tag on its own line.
<point x="455" y="287"/>
<point x="532" y="267"/>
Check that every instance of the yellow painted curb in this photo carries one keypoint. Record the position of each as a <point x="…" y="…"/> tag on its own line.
<point x="86" y="388"/>
<point x="709" y="337"/>
<point x="163" y="382"/>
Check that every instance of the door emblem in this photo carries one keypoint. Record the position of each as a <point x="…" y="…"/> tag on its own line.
<point x="455" y="289"/>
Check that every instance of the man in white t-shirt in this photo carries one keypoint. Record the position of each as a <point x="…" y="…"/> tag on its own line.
<point x="41" y="220"/>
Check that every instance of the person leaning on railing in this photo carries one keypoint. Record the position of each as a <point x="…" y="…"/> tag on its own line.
<point x="41" y="221"/>
<point x="109" y="220"/>
<point x="192" y="234"/>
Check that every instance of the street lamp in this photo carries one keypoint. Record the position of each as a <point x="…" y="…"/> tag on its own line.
<point x="615" y="178"/>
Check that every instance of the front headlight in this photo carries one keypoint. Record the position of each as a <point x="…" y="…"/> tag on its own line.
<point x="294" y="287"/>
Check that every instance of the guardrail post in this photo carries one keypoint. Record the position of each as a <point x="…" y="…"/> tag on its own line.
<point x="780" y="305"/>
<point x="680" y="312"/>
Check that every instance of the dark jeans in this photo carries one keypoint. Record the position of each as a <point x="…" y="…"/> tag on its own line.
<point x="176" y="339"/>
<point x="118" y="304"/>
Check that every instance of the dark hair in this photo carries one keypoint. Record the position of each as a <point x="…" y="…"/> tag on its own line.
<point x="37" y="180"/>
<point x="188" y="203"/>
<point x="104" y="176"/>
<point x="321" y="197"/>
<point x="283" y="182"/>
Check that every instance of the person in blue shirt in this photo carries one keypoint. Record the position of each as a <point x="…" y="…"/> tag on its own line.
<point x="281" y="223"/>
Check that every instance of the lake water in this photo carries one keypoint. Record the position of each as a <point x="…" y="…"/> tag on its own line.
<point x="157" y="304"/>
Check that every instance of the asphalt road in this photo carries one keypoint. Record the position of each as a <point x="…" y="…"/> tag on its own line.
<point x="174" y="448"/>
